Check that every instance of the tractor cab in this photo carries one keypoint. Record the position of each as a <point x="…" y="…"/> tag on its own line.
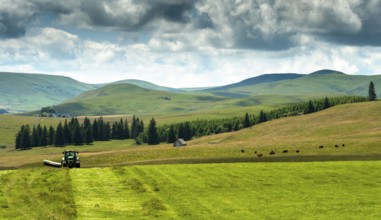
<point x="70" y="159"/>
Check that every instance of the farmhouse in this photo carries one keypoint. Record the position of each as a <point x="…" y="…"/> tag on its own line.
<point x="179" y="143"/>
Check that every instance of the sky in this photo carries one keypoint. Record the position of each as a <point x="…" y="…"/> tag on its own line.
<point x="188" y="43"/>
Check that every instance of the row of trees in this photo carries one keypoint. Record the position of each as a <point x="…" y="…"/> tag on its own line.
<point x="189" y="129"/>
<point x="73" y="132"/>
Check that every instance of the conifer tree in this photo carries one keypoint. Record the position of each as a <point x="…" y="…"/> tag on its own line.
<point x="134" y="127"/>
<point x="86" y="123"/>
<point x="171" y="135"/>
<point x="67" y="132"/>
<point x="101" y="129"/>
<point x="326" y="103"/>
<point x="59" y="138"/>
<point x="77" y="136"/>
<point x="372" y="96"/>
<point x="126" y="130"/>
<point x="51" y="135"/>
<point x="180" y="131"/>
<point x="310" y="108"/>
<point x="25" y="138"/>
<point x="120" y="130"/>
<point x="262" y="116"/>
<point x="44" y="137"/>
<point x="141" y="126"/>
<point x="18" y="140"/>
<point x="39" y="134"/>
<point x="107" y="131"/>
<point x="187" y="135"/>
<point x="114" y="130"/>
<point x="88" y="136"/>
<point x="152" y="133"/>
<point x="246" y="121"/>
<point x="35" y="137"/>
<point x="95" y="130"/>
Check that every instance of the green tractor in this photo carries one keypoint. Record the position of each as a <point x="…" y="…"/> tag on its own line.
<point x="70" y="159"/>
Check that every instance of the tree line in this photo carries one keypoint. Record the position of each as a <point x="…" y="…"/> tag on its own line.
<point x="74" y="133"/>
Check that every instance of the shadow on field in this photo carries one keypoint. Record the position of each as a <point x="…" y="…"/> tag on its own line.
<point x="306" y="158"/>
<point x="309" y="158"/>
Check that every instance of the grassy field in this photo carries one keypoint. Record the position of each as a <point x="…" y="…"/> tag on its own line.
<point x="10" y="124"/>
<point x="129" y="99"/>
<point x="36" y="194"/>
<point x="200" y="181"/>
<point x="313" y="190"/>
<point x="22" y="92"/>
<point x="314" y="86"/>
<point x="356" y="126"/>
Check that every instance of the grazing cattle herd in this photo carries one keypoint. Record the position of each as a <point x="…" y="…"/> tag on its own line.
<point x="272" y="152"/>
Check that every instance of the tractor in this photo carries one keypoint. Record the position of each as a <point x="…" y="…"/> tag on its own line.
<point x="70" y="159"/>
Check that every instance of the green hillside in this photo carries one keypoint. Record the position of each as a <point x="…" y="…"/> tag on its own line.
<point x="131" y="99"/>
<point x="147" y="85"/>
<point x="319" y="190"/>
<point x="26" y="92"/>
<point x="317" y="84"/>
<point x="262" y="92"/>
<point x="354" y="125"/>
<point x="266" y="78"/>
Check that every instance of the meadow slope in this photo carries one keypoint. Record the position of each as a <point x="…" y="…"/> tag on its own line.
<point x="317" y="190"/>
<point x="22" y="92"/>
<point x="354" y="128"/>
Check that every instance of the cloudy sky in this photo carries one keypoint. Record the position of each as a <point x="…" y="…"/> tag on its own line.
<point x="188" y="43"/>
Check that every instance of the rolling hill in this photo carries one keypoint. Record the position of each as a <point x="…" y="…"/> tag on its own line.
<point x="21" y="92"/>
<point x="357" y="126"/>
<point x="148" y="85"/>
<point x="262" y="92"/>
<point x="317" y="84"/>
<point x="130" y="99"/>
<point x="266" y="78"/>
<point x="117" y="182"/>
<point x="26" y="92"/>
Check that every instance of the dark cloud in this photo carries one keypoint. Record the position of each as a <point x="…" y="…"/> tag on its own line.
<point x="10" y="28"/>
<point x="135" y="15"/>
<point x="251" y="24"/>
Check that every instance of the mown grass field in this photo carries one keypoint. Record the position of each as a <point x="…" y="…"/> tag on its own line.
<point x="312" y="190"/>
<point x="10" y="124"/>
<point x="200" y="182"/>
<point x="129" y="99"/>
<point x="357" y="126"/>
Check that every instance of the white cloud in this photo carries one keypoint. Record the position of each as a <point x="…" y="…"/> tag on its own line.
<point x="203" y="44"/>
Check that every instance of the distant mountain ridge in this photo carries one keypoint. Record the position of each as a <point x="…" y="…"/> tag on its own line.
<point x="264" y="90"/>
<point x="125" y="98"/>
<point x="265" y="78"/>
<point x="27" y="92"/>
<point x="326" y="72"/>
<point x="147" y="85"/>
